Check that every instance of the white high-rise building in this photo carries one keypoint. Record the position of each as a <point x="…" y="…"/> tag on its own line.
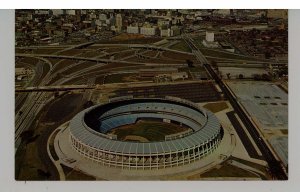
<point x="102" y="17"/>
<point x="210" y="36"/>
<point x="165" y="32"/>
<point x="119" y="22"/>
<point x="149" y="31"/>
<point x="224" y="12"/>
<point x="57" y="12"/>
<point x="133" y="29"/>
<point x="277" y="13"/>
<point x="71" y="12"/>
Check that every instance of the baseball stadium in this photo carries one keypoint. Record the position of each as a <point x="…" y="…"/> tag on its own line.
<point x="145" y="133"/>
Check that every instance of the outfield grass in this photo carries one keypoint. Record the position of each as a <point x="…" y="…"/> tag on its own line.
<point x="151" y="130"/>
<point x="216" y="107"/>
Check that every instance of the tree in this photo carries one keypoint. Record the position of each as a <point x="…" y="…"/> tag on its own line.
<point x="228" y="75"/>
<point x="214" y="63"/>
<point x="256" y="77"/>
<point x="265" y="77"/>
<point x="190" y="63"/>
<point x="241" y="76"/>
<point x="88" y="104"/>
<point x="26" y="135"/>
<point x="44" y="174"/>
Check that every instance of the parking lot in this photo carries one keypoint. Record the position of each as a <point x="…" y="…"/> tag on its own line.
<point x="265" y="102"/>
<point x="195" y="92"/>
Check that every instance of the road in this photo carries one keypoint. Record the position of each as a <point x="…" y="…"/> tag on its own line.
<point x="197" y="53"/>
<point x="56" y="88"/>
<point x="243" y="136"/>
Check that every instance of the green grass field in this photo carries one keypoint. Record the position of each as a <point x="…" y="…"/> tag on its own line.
<point x="216" y="107"/>
<point x="181" y="46"/>
<point x="224" y="54"/>
<point x="151" y="130"/>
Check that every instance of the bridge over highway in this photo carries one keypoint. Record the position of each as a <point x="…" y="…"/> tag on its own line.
<point x="197" y="53"/>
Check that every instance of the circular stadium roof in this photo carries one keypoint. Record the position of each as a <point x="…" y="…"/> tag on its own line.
<point x="90" y="125"/>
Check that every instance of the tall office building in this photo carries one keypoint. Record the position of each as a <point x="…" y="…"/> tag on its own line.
<point x="119" y="22"/>
<point x="209" y="36"/>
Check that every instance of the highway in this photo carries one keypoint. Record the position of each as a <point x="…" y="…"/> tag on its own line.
<point x="76" y="58"/>
<point x="252" y="152"/>
<point x="31" y="106"/>
<point x="197" y="53"/>
<point x="39" y="96"/>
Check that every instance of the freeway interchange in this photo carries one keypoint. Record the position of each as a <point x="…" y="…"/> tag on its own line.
<point x="41" y="93"/>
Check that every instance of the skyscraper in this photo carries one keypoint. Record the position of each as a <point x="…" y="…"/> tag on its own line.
<point x="119" y="22"/>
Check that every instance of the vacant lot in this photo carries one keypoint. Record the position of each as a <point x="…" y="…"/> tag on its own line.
<point x="121" y="78"/>
<point x="62" y="108"/>
<point x="181" y="46"/>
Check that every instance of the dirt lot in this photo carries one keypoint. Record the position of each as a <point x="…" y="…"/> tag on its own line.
<point x="125" y="77"/>
<point x="216" y="107"/>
